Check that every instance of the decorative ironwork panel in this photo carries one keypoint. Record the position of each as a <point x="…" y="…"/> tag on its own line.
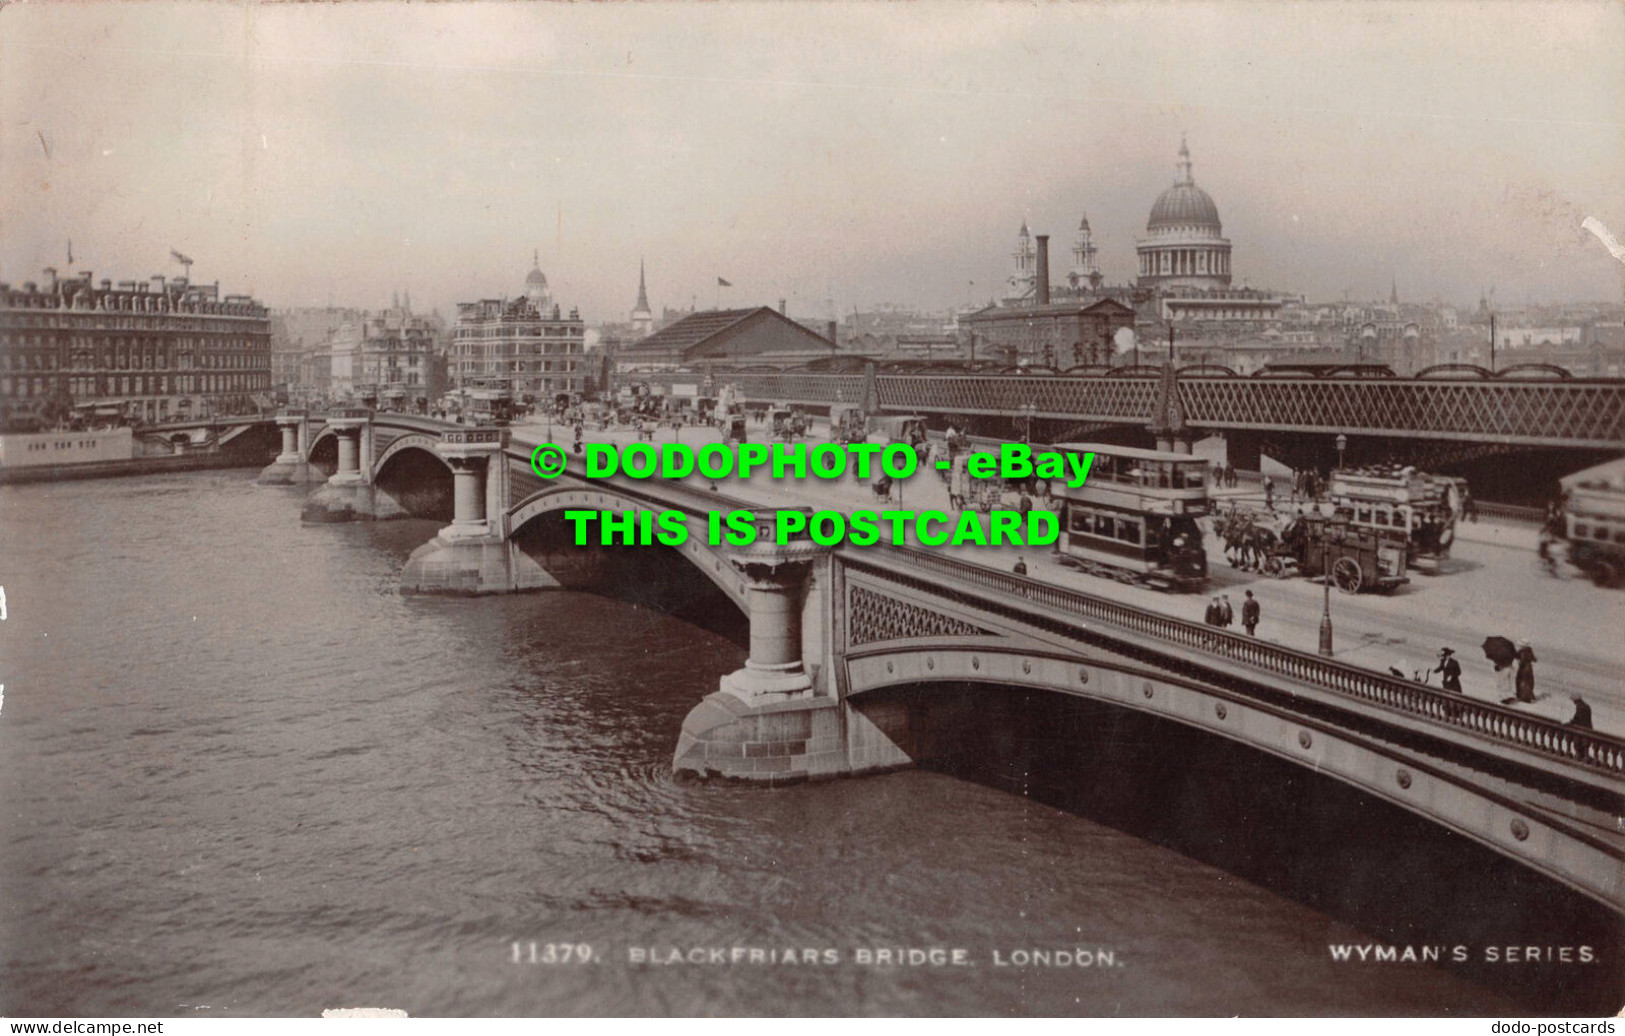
<point x="1129" y="400"/>
<point x="873" y="617"/>
<point x="1544" y="413"/>
<point x="1558" y="413"/>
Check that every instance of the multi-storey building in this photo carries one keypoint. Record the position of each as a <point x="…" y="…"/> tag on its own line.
<point x="298" y="336"/>
<point x="524" y="346"/>
<point x="145" y="351"/>
<point x="389" y="358"/>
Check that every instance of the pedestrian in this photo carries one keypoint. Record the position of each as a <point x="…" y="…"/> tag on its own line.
<point x="1269" y="492"/>
<point x="1525" y="680"/>
<point x="1024" y="505"/>
<point x="1211" y="616"/>
<point x="1249" y="614"/>
<point x="1226" y="614"/>
<point x="1582" y="713"/>
<point x="1020" y="567"/>
<point x="1450" y="670"/>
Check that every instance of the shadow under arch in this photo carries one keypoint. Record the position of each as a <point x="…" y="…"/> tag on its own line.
<point x="690" y="582"/>
<point x="1363" y="861"/>
<point x="416" y="478"/>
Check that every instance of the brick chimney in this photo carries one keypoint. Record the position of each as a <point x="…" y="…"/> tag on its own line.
<point x="1043" y="270"/>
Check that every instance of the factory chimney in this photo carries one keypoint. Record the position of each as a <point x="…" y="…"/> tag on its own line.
<point x="1043" y="270"/>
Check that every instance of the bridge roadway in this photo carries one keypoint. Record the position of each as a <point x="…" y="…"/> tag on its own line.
<point x="1057" y="607"/>
<point x="832" y="631"/>
<point x="1484" y="589"/>
<point x="1588" y="413"/>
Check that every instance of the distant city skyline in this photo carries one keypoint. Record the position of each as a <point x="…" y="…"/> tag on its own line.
<point x="863" y="154"/>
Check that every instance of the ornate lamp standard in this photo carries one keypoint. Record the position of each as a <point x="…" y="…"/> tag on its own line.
<point x="1342" y="444"/>
<point x="1326" y="580"/>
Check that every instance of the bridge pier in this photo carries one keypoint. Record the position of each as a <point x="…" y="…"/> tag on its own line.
<point x="290" y="467"/>
<point x="348" y="495"/>
<point x="781" y="718"/>
<point x="473" y="555"/>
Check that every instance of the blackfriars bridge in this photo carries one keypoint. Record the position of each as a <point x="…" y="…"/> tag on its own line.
<point x="832" y="630"/>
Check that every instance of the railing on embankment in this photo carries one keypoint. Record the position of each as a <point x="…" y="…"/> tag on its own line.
<point x="1589" y="748"/>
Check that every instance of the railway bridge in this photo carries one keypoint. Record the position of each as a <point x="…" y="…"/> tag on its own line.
<point x="1450" y="417"/>
<point x="845" y="644"/>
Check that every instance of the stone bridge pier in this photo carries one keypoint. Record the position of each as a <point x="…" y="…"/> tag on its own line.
<point x="474" y="554"/>
<point x="783" y="717"/>
<point x="348" y="495"/>
<point x="291" y="467"/>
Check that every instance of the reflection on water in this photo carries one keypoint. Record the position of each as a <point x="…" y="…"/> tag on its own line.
<point x="241" y="771"/>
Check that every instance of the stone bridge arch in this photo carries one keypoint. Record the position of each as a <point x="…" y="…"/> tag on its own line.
<point x="1452" y="797"/>
<point x="709" y="561"/>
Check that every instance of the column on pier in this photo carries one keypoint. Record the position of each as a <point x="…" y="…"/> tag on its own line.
<point x="290" y="440"/>
<point x="774" y="593"/>
<point x="469" y="454"/>
<point x="347" y="426"/>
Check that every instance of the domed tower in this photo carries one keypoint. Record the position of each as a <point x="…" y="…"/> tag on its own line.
<point x="1184" y="244"/>
<point x="536" y="284"/>
<point x="643" y="318"/>
<point x="1084" y="271"/>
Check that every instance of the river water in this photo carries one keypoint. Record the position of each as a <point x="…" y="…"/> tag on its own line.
<point x="242" y="775"/>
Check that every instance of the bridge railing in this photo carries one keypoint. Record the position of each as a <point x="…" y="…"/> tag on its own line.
<point x="1590" y="748"/>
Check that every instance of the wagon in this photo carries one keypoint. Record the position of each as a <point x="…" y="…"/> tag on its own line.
<point x="1358" y="557"/>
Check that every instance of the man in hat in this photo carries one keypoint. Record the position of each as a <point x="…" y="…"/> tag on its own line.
<point x="1451" y="670"/>
<point x="1249" y="614"/>
<point x="1211" y="617"/>
<point x="1227" y="615"/>
<point x="1582" y="713"/>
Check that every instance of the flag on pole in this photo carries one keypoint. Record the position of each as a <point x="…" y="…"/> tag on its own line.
<point x="183" y="260"/>
<point x="724" y="284"/>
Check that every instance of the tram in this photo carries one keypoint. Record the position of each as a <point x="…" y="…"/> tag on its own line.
<point x="1134" y="518"/>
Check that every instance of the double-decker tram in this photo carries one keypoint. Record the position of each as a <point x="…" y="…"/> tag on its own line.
<point x="1134" y="517"/>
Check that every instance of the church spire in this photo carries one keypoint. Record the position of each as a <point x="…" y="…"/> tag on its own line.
<point x="643" y="292"/>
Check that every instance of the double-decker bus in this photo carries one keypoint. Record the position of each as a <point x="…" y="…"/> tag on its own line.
<point x="1424" y="506"/>
<point x="1134" y="517"/>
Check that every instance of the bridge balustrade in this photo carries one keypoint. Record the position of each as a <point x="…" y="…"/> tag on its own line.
<point x="1590" y="748"/>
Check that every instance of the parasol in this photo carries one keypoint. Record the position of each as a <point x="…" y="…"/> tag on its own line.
<point x="1500" y="650"/>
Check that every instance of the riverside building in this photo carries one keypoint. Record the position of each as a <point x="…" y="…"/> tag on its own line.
<point x="154" y="350"/>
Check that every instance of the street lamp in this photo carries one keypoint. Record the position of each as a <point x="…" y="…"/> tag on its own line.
<point x="1327" y="539"/>
<point x="1028" y="410"/>
<point x="1342" y="444"/>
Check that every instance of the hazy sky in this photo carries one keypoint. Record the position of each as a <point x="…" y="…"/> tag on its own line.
<point x="866" y="152"/>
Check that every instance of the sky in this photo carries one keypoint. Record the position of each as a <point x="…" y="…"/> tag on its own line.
<point x="835" y="155"/>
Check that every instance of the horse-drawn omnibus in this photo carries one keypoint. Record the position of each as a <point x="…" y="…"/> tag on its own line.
<point x="1425" y="507"/>
<point x="1134" y="517"/>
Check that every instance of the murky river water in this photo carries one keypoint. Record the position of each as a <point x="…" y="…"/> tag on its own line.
<point x="242" y="775"/>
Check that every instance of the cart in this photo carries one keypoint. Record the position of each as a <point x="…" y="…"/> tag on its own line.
<point x="1358" y="557"/>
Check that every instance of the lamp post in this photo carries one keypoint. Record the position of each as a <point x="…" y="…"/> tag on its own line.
<point x="1027" y="412"/>
<point x="1342" y="444"/>
<point x="1327" y="539"/>
<point x="1326" y="614"/>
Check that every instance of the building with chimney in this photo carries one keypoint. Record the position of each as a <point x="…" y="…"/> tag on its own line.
<point x="156" y="350"/>
<point x="388" y="360"/>
<point x="526" y="346"/>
